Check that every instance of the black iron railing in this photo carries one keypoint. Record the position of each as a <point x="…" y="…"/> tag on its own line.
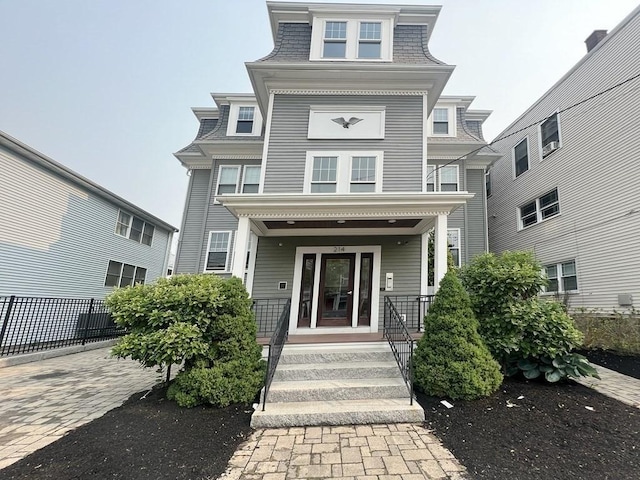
<point x="30" y="324"/>
<point x="268" y="311"/>
<point x="276" y="344"/>
<point x="412" y="309"/>
<point x="400" y="341"/>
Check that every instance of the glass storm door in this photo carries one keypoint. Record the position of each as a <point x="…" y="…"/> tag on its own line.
<point x="335" y="302"/>
<point x="306" y="290"/>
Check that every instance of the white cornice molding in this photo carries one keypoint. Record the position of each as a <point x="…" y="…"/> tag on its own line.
<point x="236" y="157"/>
<point x="344" y="214"/>
<point x="280" y="91"/>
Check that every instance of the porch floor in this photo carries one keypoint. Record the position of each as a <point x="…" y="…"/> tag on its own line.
<point x="335" y="338"/>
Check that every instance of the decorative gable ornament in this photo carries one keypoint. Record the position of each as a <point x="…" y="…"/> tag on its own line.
<point x="346" y="123"/>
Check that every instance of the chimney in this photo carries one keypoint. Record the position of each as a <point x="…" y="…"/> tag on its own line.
<point x="594" y="39"/>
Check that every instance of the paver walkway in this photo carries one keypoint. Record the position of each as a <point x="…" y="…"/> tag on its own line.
<point x="362" y="452"/>
<point x="41" y="401"/>
<point x="615" y="385"/>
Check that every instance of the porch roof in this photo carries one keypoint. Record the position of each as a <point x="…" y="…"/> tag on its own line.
<point x="388" y="213"/>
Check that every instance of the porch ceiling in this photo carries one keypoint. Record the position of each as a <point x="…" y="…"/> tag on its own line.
<point x="359" y="214"/>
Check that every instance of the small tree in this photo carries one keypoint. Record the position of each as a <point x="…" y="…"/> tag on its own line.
<point x="523" y="332"/>
<point x="201" y="321"/>
<point x="451" y="360"/>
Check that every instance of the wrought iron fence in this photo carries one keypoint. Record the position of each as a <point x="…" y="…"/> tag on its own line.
<point x="268" y="311"/>
<point x="276" y="344"/>
<point x="32" y="324"/>
<point x="400" y="341"/>
<point x="412" y="309"/>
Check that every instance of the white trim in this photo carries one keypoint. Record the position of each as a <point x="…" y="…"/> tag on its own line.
<point x="244" y="174"/>
<point x="206" y="256"/>
<point x="513" y="157"/>
<point x="240" y="248"/>
<point x="424" y="263"/>
<point x="315" y="91"/>
<point x="425" y="142"/>
<point x="267" y="139"/>
<point x="459" y="247"/>
<point x="233" y="157"/>
<point x="322" y="127"/>
<point x="352" y="39"/>
<point x="376" y="250"/>
<point x="130" y="227"/>
<point x="451" y="119"/>
<point x="238" y="169"/>
<point x="540" y="146"/>
<point x="118" y="221"/>
<point x="539" y="218"/>
<point x="251" y="269"/>
<point x="234" y="111"/>
<point x="560" y="278"/>
<point x="440" y="251"/>
<point x="343" y="170"/>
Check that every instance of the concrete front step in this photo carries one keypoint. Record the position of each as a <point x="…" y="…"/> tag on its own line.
<point x="337" y="412"/>
<point x="337" y="389"/>
<point x="337" y="356"/>
<point x="332" y="371"/>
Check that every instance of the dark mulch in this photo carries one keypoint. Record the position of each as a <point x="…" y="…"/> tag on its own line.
<point x="547" y="434"/>
<point x="150" y="438"/>
<point x="625" y="364"/>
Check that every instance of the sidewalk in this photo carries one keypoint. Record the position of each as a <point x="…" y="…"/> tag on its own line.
<point x="41" y="401"/>
<point x="615" y="385"/>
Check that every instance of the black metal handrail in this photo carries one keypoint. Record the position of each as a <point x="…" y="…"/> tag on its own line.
<point x="276" y="344"/>
<point x="267" y="312"/>
<point x="401" y="343"/>
<point x="412" y="309"/>
<point x="34" y="323"/>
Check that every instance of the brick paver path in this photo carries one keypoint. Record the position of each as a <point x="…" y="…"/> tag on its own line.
<point x="41" y="401"/>
<point x="363" y="452"/>
<point x="615" y="385"/>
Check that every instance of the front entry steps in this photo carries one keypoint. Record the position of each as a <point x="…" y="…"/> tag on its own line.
<point x="346" y="384"/>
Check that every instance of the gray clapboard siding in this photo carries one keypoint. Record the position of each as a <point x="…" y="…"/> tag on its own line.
<point x="56" y="238"/>
<point x="288" y="141"/>
<point x="191" y="241"/>
<point x="595" y="172"/>
<point x="476" y="228"/>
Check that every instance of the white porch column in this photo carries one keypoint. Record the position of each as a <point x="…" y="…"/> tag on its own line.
<point x="440" y="250"/>
<point x="240" y="249"/>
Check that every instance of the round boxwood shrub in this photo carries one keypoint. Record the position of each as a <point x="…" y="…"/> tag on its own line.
<point x="451" y="360"/>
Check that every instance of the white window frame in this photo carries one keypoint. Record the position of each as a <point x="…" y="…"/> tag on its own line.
<point x="244" y="177"/>
<point x="122" y="264"/>
<point x="437" y="178"/>
<point x="227" y="263"/>
<point x="539" y="209"/>
<point x="459" y="247"/>
<point x="220" y="167"/>
<point x="130" y="227"/>
<point x="540" y="145"/>
<point x="343" y="172"/>
<point x="513" y="157"/>
<point x="234" y="112"/>
<point x="560" y="277"/>
<point x="453" y="122"/>
<point x="488" y="187"/>
<point x="353" y="22"/>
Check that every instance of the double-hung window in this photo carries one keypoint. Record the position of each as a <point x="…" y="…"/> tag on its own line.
<point x="335" y="40"/>
<point x="370" y="40"/>
<point x="343" y="172"/>
<point x="365" y="39"/>
<point x="562" y="277"/>
<point x="134" y="228"/>
<point x="540" y="209"/>
<point x="521" y="157"/>
<point x="218" y="252"/>
<point x="251" y="179"/>
<point x="123" y="274"/>
<point x="442" y="178"/>
<point x="453" y="241"/>
<point x="245" y="119"/>
<point x="549" y="135"/>
<point x="228" y="180"/>
<point x="441" y="121"/>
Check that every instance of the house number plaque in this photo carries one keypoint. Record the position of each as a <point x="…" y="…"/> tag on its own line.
<point x="338" y="249"/>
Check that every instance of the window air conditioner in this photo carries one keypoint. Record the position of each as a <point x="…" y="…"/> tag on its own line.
<point x="549" y="147"/>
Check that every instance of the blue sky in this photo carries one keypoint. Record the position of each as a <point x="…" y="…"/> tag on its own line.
<point x="106" y="87"/>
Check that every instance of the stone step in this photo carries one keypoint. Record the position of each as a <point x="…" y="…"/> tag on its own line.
<point x="346" y="389"/>
<point x="337" y="412"/>
<point x="333" y="371"/>
<point x="338" y="354"/>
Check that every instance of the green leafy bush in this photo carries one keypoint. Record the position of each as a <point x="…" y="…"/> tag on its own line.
<point x="203" y="322"/>
<point x="523" y="332"/>
<point x="451" y="360"/>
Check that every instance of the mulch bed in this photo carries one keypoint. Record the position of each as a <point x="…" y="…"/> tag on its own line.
<point x="548" y="433"/>
<point x="625" y="364"/>
<point x="150" y="438"/>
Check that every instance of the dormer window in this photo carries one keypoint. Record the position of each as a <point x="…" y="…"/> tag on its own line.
<point x="245" y="120"/>
<point x="366" y="39"/>
<point x="443" y="121"/>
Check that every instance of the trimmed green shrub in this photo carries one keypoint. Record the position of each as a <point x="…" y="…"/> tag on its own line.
<point x="203" y="322"/>
<point x="523" y="332"/>
<point x="451" y="360"/>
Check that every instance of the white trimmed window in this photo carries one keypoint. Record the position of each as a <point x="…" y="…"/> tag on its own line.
<point x="562" y="277"/>
<point x="363" y="39"/>
<point x="218" y="249"/>
<point x="549" y="135"/>
<point x="228" y="177"/>
<point x="540" y="209"/>
<point x="487" y="183"/>
<point x="442" y="178"/>
<point x="453" y="241"/>
<point x="343" y="172"/>
<point x="251" y="179"/>
<point x="521" y="157"/>
<point x="134" y="228"/>
<point x="244" y="119"/>
<point x="123" y="275"/>
<point x="442" y="122"/>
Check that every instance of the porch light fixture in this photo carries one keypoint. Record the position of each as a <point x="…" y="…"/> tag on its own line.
<point x="341" y="221"/>
<point x="291" y="222"/>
